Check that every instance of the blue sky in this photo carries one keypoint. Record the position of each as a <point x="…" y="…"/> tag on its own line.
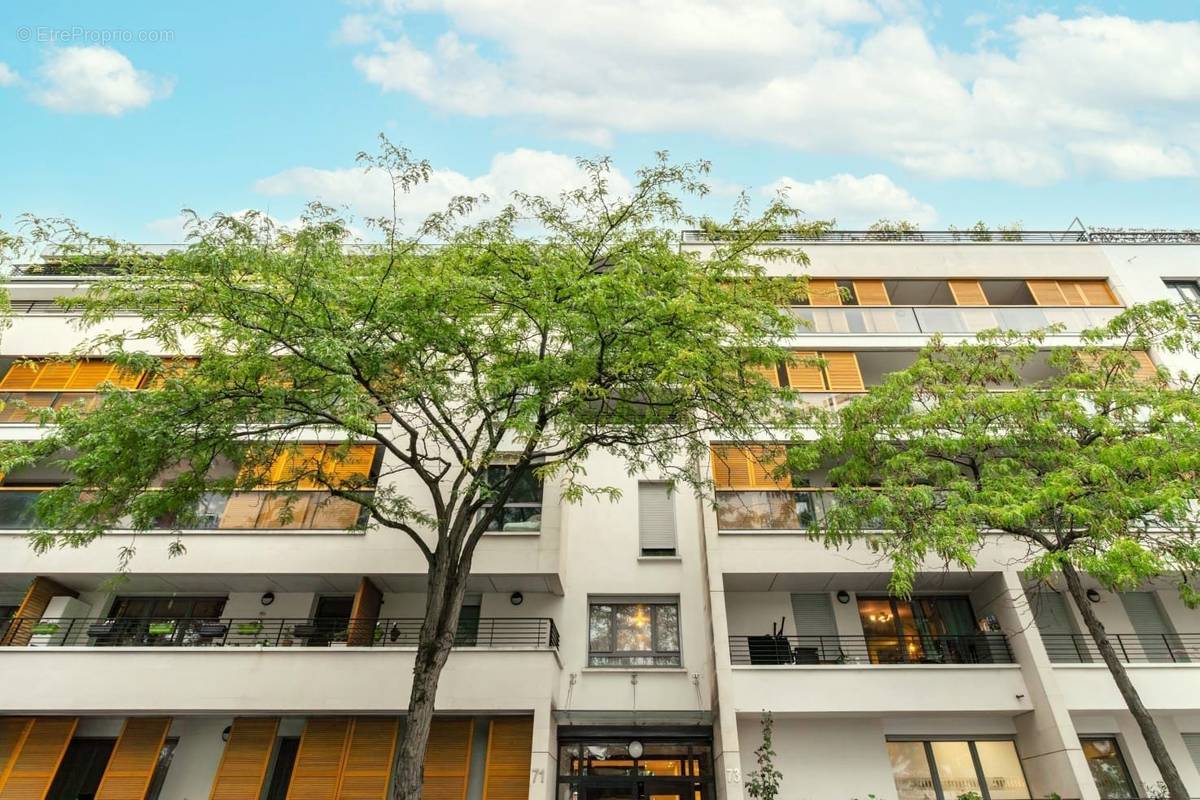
<point x="119" y="115"/>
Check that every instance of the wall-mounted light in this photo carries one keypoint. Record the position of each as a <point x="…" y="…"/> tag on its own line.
<point x="843" y="597"/>
<point x="1093" y="595"/>
<point x="267" y="598"/>
<point x="225" y="733"/>
<point x="516" y="598"/>
<point x="636" y="749"/>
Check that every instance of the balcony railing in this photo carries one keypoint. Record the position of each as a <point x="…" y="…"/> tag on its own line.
<point x="305" y="510"/>
<point x="948" y="319"/>
<point x="488" y="632"/>
<point x="890" y="236"/>
<point x="776" y="650"/>
<point x="1131" y="648"/>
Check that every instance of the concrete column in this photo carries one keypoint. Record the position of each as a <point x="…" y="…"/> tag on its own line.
<point x="1047" y="741"/>
<point x="543" y="767"/>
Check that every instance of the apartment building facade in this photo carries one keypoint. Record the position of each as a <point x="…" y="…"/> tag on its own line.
<point x="608" y="649"/>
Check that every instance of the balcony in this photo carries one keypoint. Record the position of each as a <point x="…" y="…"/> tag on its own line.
<point x="164" y="632"/>
<point x="1131" y="648"/>
<point x="948" y="319"/>
<point x="304" y="510"/>
<point x="780" y="650"/>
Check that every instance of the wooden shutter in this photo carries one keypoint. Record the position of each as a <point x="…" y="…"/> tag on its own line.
<point x="36" y="763"/>
<point x="656" y="518"/>
<point x="967" y="293"/>
<point x="1147" y="370"/>
<point x="824" y="293"/>
<point x="1047" y="293"/>
<point x="243" y="768"/>
<point x="131" y="766"/>
<point x="13" y="731"/>
<point x="79" y="376"/>
<point x="753" y="467"/>
<point x="33" y="607"/>
<point x="19" y="376"/>
<point x="448" y="759"/>
<point x="871" y="293"/>
<point x="803" y="375"/>
<point x="319" y="759"/>
<point x="367" y="765"/>
<point x="364" y="614"/>
<point x="355" y="465"/>
<point x="765" y="461"/>
<point x="730" y="467"/>
<point x="841" y="368"/>
<point x="509" y="754"/>
<point x="769" y="374"/>
<point x="1096" y="293"/>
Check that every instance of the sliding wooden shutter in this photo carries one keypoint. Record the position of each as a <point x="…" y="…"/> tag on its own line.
<point x="36" y="762"/>
<point x="967" y="293"/>
<point x="824" y="293"/>
<point x="1046" y="293"/>
<point x="364" y="614"/>
<point x="33" y="607"/>
<point x="85" y="375"/>
<point x="753" y="467"/>
<point x="1147" y="369"/>
<point x="367" y="765"/>
<point x="129" y="770"/>
<point x="768" y="374"/>
<point x="871" y="293"/>
<point x="319" y="759"/>
<point x="307" y="459"/>
<point x="13" y="731"/>
<point x="243" y="768"/>
<point x="1071" y="293"/>
<point x="841" y="368"/>
<point x="448" y="759"/>
<point x="803" y="374"/>
<point x="509" y="754"/>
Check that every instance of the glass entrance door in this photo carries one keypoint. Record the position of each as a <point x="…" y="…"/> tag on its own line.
<point x="639" y="767"/>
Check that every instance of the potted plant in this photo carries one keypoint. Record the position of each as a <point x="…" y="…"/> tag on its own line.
<point x="250" y="628"/>
<point x="45" y="628"/>
<point x="160" y="628"/>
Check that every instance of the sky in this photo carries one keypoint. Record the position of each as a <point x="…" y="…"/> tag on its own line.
<point x="120" y="115"/>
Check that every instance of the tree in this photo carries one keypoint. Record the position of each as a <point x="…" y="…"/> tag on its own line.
<point x="596" y="333"/>
<point x="763" y="783"/>
<point x="1095" y="468"/>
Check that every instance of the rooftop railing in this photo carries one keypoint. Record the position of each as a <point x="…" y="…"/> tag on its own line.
<point x="779" y="650"/>
<point x="894" y="236"/>
<point x="948" y="319"/>
<point x="1131" y="648"/>
<point x="487" y="632"/>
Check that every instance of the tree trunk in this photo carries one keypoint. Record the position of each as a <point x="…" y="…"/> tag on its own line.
<point x="1154" y="742"/>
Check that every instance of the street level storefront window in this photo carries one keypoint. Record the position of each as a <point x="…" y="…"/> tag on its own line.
<point x="948" y="769"/>
<point x="633" y="634"/>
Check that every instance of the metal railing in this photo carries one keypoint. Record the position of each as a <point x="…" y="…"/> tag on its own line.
<point x="951" y="237"/>
<point x="775" y="650"/>
<point x="1131" y="648"/>
<point x="948" y="319"/>
<point x="487" y="632"/>
<point x="305" y="509"/>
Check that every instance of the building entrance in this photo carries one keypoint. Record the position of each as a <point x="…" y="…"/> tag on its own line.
<point x="635" y="764"/>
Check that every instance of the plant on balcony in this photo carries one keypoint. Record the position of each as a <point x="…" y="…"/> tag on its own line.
<point x="249" y="628"/>
<point x="1095" y="468"/>
<point x="533" y="338"/>
<point x="46" y="628"/>
<point x="160" y="628"/>
<point x="763" y="783"/>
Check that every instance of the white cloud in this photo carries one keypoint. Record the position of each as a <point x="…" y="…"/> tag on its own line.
<point x="1031" y="102"/>
<point x="370" y="193"/>
<point x="853" y="201"/>
<point x="8" y="76"/>
<point x="95" y="80"/>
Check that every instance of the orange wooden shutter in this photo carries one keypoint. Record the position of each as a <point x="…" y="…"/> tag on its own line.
<point x="752" y="467"/>
<point x="448" y="759"/>
<point x="765" y="464"/>
<point x="1147" y="369"/>
<point x="88" y="375"/>
<point x="1047" y="293"/>
<point x="319" y="759"/>
<point x="367" y="765"/>
<point x="871" y="293"/>
<point x="13" y="731"/>
<point x="243" y="767"/>
<point x="33" y="606"/>
<point x="129" y="770"/>
<point x="355" y="464"/>
<point x="769" y="374"/>
<point x="824" y="293"/>
<point x="509" y="754"/>
<point x="967" y="293"/>
<point x="19" y="376"/>
<point x="364" y="614"/>
<point x="1087" y="293"/>
<point x="36" y="763"/>
<point x="731" y="469"/>
<point x="802" y="374"/>
<point x="842" y="370"/>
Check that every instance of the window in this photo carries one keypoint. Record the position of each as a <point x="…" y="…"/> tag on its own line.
<point x="923" y="630"/>
<point x="656" y="519"/>
<point x="633" y="634"/>
<point x="1184" y="291"/>
<point x="1108" y="768"/>
<point x="523" y="509"/>
<point x="948" y="769"/>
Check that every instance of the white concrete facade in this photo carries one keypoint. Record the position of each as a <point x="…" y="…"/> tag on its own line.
<point x="835" y="717"/>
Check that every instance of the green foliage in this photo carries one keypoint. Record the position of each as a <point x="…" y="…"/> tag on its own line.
<point x="886" y="229"/>
<point x="1091" y="464"/>
<point x="764" y="782"/>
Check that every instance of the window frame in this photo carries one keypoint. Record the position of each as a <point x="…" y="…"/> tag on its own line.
<point x="497" y="525"/>
<point x="1174" y="285"/>
<point x="628" y="659"/>
<point x="931" y="762"/>
<point x="1117" y="749"/>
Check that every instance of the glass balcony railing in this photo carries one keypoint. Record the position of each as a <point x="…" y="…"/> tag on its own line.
<point x="304" y="510"/>
<point x="948" y="319"/>
<point x="775" y="510"/>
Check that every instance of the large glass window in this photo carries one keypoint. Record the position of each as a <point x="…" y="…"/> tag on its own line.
<point x="923" y="630"/>
<point x="1184" y="291"/>
<point x="949" y="769"/>
<point x="522" y="511"/>
<point x="1108" y="768"/>
<point x="633" y="634"/>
